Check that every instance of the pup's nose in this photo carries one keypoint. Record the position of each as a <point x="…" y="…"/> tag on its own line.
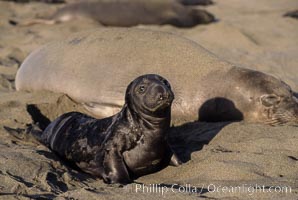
<point x="170" y="95"/>
<point x="164" y="93"/>
<point x="161" y="97"/>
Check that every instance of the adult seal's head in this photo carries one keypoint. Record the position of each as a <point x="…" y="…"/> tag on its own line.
<point x="264" y="98"/>
<point x="127" y="145"/>
<point x="253" y="96"/>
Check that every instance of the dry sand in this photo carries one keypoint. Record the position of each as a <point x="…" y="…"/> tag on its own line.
<point x="238" y="156"/>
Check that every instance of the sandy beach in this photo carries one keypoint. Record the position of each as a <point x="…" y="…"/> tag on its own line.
<point x="221" y="160"/>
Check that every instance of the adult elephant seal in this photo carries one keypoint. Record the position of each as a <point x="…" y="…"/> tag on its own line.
<point x="92" y="68"/>
<point x="127" y="145"/>
<point x="126" y="13"/>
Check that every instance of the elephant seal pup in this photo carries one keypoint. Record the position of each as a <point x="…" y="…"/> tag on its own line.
<point x="91" y="67"/>
<point x="128" y="13"/>
<point x="127" y="145"/>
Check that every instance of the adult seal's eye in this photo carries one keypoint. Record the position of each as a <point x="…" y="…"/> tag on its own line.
<point x="142" y="88"/>
<point x="269" y="100"/>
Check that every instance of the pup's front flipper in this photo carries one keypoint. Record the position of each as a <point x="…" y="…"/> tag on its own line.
<point x="172" y="158"/>
<point x="175" y="161"/>
<point x="115" y="170"/>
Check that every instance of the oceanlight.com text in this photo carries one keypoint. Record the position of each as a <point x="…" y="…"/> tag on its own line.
<point x="249" y="189"/>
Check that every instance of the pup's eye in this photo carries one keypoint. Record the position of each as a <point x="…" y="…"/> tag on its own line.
<point x="166" y="83"/>
<point x="142" y="88"/>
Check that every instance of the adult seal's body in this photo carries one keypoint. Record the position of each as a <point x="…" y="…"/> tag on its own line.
<point x="127" y="13"/>
<point x="92" y="67"/>
<point x="120" y="148"/>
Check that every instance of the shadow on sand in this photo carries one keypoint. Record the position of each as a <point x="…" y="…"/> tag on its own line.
<point x="213" y="115"/>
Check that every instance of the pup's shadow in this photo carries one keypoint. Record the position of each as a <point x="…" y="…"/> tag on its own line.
<point x="213" y="115"/>
<point x="192" y="136"/>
